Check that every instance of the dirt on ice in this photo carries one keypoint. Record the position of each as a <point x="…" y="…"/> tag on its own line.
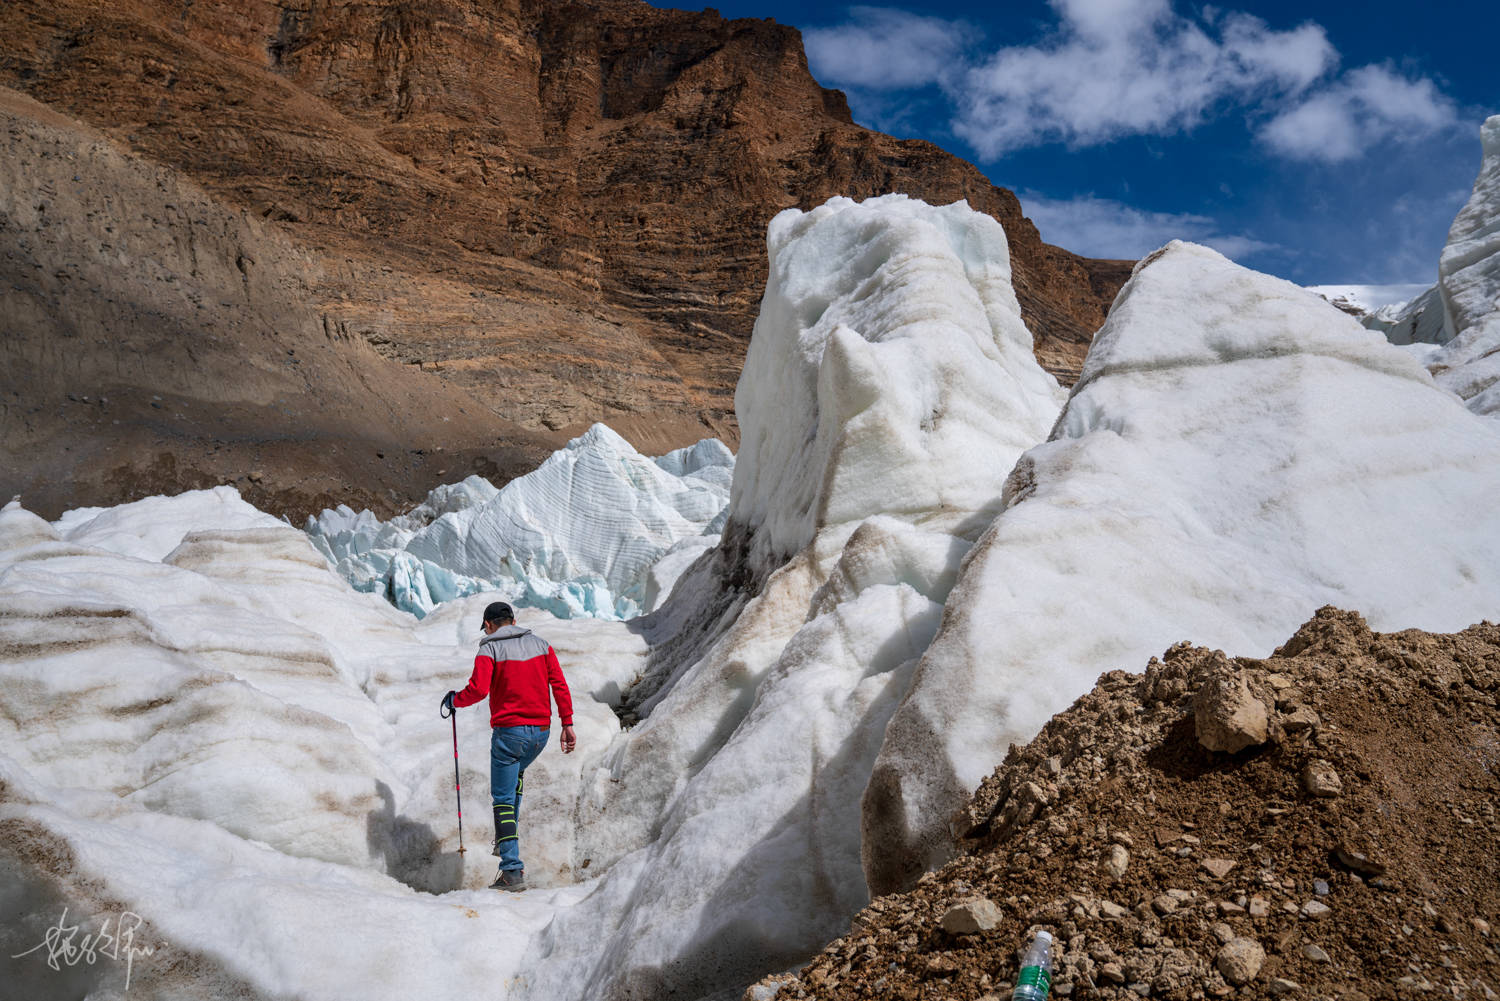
<point x="1349" y="849"/>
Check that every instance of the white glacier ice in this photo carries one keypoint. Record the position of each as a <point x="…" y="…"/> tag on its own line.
<point x="1469" y="277"/>
<point x="1454" y="326"/>
<point x="1236" y="454"/>
<point x="577" y="536"/>
<point x="203" y="723"/>
<point x="723" y="827"/>
<point x="890" y="386"/>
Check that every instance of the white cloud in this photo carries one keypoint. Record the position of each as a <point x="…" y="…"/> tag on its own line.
<point x="886" y="49"/>
<point x="1108" y="69"/>
<point x="1099" y="227"/>
<point x="1367" y="107"/>
<point x="1115" y="68"/>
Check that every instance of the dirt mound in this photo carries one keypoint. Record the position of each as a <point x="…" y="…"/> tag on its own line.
<point x="1354" y="853"/>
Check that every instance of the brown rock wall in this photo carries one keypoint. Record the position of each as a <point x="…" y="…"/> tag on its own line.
<point x="559" y="208"/>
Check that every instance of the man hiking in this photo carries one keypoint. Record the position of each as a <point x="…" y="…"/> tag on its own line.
<point x="515" y="668"/>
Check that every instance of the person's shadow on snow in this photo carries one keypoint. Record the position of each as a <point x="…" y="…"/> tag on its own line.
<point x="411" y="851"/>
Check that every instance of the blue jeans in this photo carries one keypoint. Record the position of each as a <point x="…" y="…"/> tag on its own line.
<point x="512" y="748"/>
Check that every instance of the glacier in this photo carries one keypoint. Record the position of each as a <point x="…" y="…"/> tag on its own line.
<point x="579" y="535"/>
<point x="1454" y="326"/>
<point x="924" y="548"/>
<point x="1236" y="454"/>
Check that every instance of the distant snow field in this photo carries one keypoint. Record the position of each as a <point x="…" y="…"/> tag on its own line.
<point x="222" y="731"/>
<point x="1369" y="298"/>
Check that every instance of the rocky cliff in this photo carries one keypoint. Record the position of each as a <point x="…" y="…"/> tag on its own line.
<point x="559" y="208"/>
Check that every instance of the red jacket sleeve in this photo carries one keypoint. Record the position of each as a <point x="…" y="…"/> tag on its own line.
<point x="479" y="682"/>
<point x="560" y="693"/>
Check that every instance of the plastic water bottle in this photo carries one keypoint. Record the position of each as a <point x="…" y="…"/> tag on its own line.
<point x="1035" y="979"/>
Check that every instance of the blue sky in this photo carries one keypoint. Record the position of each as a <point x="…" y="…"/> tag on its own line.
<point x="1324" y="143"/>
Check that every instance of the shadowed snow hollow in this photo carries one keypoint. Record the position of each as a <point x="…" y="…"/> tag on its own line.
<point x="577" y="536"/>
<point x="1236" y="454"/>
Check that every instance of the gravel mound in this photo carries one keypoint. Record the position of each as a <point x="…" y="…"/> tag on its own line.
<point x="1349" y="849"/>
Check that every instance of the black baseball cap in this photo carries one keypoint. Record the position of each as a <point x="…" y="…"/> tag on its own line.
<point x="498" y="611"/>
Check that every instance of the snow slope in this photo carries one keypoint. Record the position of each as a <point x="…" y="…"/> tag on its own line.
<point x="577" y="536"/>
<point x="1235" y="454"/>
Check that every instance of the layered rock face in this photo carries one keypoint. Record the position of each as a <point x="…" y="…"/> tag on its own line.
<point x="558" y="207"/>
<point x="156" y="339"/>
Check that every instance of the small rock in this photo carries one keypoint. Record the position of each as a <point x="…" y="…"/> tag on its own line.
<point x="1320" y="779"/>
<point x="1164" y="904"/>
<point x="1142" y="988"/>
<point x="942" y="965"/>
<point x="1259" y="907"/>
<point x="1227" y="717"/>
<point x="1223" y="932"/>
<point x="1360" y="861"/>
<point x="1217" y="867"/>
<point x="255" y="476"/>
<point x="1280" y="986"/>
<point x="1299" y="720"/>
<point x="1229" y="907"/>
<point x="1239" y="960"/>
<point x="1111" y="911"/>
<point x="970" y="917"/>
<point x="1316" y="910"/>
<point x="1122" y="838"/>
<point x="1320" y="887"/>
<point x="1112" y="972"/>
<point x="1315" y="953"/>
<point x="1481" y="926"/>
<point x="1114" y="861"/>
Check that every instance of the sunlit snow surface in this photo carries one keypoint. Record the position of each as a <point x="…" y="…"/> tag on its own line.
<point x="204" y="724"/>
<point x="577" y="536"/>
<point x="1235" y="454"/>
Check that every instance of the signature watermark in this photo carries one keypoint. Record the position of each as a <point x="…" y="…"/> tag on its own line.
<point x="69" y="945"/>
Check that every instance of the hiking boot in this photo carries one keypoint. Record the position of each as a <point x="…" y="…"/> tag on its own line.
<point x="513" y="880"/>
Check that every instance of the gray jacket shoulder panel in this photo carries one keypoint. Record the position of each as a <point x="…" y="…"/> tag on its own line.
<point x="512" y="643"/>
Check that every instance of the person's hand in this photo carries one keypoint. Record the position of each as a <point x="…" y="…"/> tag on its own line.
<point x="568" y="740"/>
<point x="448" y="703"/>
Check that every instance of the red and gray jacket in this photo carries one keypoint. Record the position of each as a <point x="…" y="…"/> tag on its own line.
<point x="515" y="668"/>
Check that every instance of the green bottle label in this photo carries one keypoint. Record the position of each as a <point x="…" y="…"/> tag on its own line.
<point x="1035" y="976"/>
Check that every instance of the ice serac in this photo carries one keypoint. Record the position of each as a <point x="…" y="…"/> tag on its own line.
<point x="888" y="373"/>
<point x="577" y="536"/>
<point x="1469" y="276"/>
<point x="1236" y="454"/>
<point x="1454" y="327"/>
<point x="889" y="389"/>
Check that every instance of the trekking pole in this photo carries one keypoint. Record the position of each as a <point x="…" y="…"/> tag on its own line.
<point x="449" y="713"/>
